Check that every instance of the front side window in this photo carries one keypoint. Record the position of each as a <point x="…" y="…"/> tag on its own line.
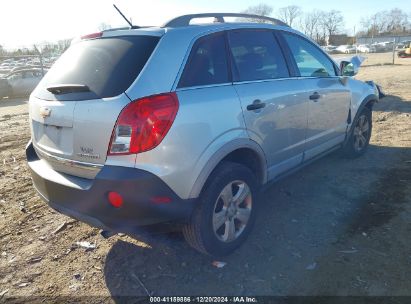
<point x="311" y="61"/>
<point x="256" y="55"/>
<point x="207" y="64"/>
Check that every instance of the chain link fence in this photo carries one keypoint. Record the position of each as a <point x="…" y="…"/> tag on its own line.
<point x="20" y="74"/>
<point x="13" y="63"/>
<point x="377" y="50"/>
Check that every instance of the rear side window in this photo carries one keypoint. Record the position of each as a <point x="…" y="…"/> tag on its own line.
<point x="107" y="66"/>
<point x="310" y="60"/>
<point x="207" y="63"/>
<point x="257" y="55"/>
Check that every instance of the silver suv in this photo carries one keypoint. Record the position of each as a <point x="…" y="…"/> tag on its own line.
<point x="185" y="123"/>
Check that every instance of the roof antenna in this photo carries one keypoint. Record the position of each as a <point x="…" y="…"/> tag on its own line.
<point x="122" y="15"/>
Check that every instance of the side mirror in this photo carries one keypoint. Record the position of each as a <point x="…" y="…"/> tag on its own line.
<point x="348" y="68"/>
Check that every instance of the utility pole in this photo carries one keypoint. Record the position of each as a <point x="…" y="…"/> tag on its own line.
<point x="393" y="50"/>
<point x="355" y="39"/>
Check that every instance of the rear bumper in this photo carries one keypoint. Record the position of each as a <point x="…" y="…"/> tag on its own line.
<point x="86" y="200"/>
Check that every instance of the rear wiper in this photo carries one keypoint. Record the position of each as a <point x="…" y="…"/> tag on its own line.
<point x="67" y="88"/>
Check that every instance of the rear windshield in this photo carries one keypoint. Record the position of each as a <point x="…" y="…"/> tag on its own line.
<point x="107" y="66"/>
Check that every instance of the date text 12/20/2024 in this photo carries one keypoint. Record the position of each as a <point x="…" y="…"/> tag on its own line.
<point x="198" y="299"/>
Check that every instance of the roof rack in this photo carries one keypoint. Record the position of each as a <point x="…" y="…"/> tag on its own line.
<point x="219" y="17"/>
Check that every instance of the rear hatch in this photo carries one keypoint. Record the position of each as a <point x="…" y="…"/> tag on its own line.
<point x="75" y="107"/>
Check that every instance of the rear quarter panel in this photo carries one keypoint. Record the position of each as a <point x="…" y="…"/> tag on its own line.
<point x="160" y="73"/>
<point x="208" y="118"/>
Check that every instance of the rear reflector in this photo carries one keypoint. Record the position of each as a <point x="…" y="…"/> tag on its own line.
<point x="115" y="199"/>
<point x="143" y="123"/>
<point x="92" y="36"/>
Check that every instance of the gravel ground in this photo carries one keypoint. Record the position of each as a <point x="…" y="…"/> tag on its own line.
<point x="337" y="227"/>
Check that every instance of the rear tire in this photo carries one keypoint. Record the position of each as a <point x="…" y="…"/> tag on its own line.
<point x="360" y="135"/>
<point x="226" y="211"/>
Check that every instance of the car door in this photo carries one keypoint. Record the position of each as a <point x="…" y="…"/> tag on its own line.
<point x="273" y="103"/>
<point x="329" y="99"/>
<point x="211" y="116"/>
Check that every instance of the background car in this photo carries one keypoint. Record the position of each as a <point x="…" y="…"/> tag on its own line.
<point x="5" y="88"/>
<point x="385" y="46"/>
<point x="365" y="48"/>
<point x="20" y="82"/>
<point x="345" y="49"/>
<point x="403" y="44"/>
<point x="331" y="49"/>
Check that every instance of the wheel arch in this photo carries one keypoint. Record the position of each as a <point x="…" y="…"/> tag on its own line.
<point x="368" y="102"/>
<point x="242" y="151"/>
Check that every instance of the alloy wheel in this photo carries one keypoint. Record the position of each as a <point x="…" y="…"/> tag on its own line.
<point x="361" y="133"/>
<point x="232" y="211"/>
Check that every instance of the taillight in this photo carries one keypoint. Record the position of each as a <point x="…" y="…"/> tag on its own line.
<point x="143" y="123"/>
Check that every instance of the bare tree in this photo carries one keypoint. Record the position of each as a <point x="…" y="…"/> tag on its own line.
<point x="104" y="26"/>
<point x="48" y="48"/>
<point x="374" y="24"/>
<point x="289" y="14"/>
<point x="332" y="22"/>
<point x="397" y="21"/>
<point x="311" y="24"/>
<point x="260" y="9"/>
<point x="63" y="44"/>
<point x="394" y="21"/>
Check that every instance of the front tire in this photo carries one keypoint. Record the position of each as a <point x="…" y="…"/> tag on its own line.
<point x="226" y="211"/>
<point x="360" y="135"/>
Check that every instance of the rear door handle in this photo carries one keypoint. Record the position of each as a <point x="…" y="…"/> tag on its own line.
<point x="315" y="96"/>
<point x="257" y="104"/>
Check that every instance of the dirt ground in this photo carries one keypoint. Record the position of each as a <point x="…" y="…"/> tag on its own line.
<point x="337" y="227"/>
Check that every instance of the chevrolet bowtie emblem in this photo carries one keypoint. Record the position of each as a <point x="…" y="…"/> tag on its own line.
<point x="45" y="112"/>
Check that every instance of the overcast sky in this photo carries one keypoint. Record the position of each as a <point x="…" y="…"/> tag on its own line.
<point x="24" y="22"/>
